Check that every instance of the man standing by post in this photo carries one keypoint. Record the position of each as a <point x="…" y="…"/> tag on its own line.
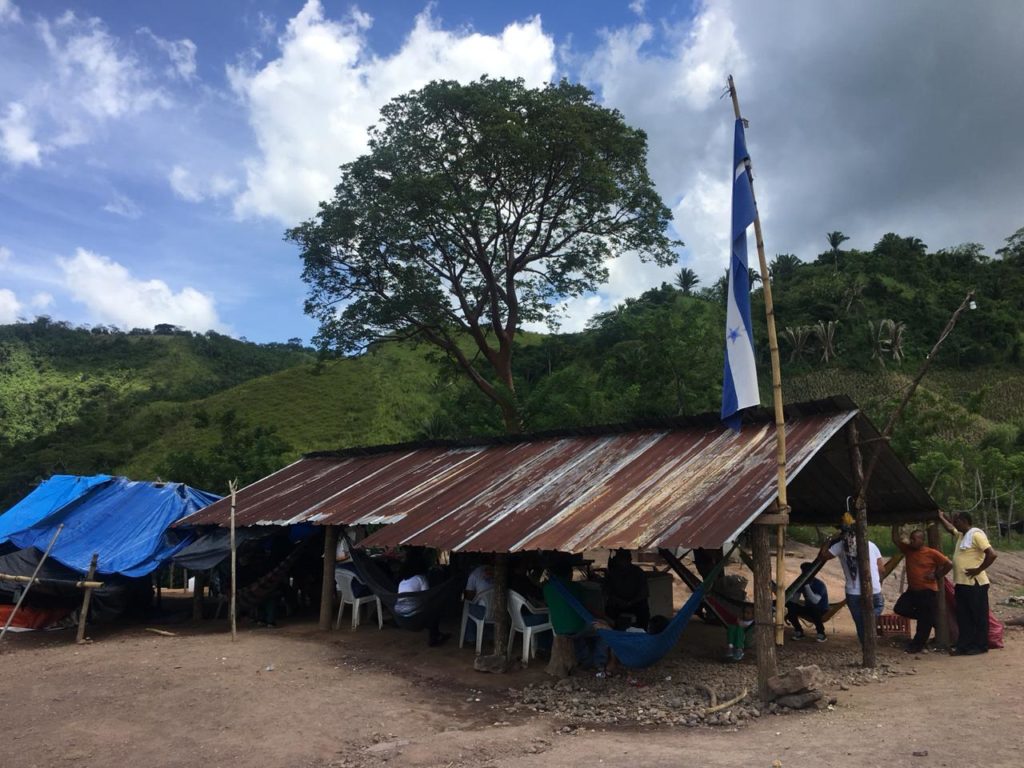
<point x="972" y="556"/>
<point x="925" y="570"/>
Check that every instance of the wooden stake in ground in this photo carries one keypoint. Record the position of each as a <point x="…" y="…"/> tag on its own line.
<point x="780" y="419"/>
<point x="864" y="565"/>
<point x="86" y="599"/>
<point x="39" y="565"/>
<point x="232" y="608"/>
<point x="327" y="584"/>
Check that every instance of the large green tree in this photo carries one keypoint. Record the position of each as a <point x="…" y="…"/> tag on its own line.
<point x="478" y="208"/>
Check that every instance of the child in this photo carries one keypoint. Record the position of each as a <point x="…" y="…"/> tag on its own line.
<point x="736" y="634"/>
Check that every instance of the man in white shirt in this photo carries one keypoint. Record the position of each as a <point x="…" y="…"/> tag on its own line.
<point x="846" y="550"/>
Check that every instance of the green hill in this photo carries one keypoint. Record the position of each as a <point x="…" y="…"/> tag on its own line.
<point x="206" y="408"/>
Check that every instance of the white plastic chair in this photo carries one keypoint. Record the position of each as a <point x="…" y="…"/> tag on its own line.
<point x="343" y="579"/>
<point x="516" y="603"/>
<point x="484" y="599"/>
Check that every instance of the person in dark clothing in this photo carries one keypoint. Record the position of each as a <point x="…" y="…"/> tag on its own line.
<point x="626" y="592"/>
<point x="810" y="603"/>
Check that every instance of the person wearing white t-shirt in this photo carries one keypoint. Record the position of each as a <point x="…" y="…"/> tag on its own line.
<point x="846" y="551"/>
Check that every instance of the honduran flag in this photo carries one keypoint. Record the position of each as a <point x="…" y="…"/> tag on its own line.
<point x="739" y="385"/>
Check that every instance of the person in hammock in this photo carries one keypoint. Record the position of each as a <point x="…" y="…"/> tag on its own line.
<point x="810" y="604"/>
<point x="626" y="592"/>
<point x="590" y="650"/>
<point x="413" y="578"/>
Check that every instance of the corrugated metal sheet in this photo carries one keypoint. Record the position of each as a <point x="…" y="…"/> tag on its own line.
<point x="696" y="485"/>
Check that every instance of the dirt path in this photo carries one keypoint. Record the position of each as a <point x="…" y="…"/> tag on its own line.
<point x="294" y="697"/>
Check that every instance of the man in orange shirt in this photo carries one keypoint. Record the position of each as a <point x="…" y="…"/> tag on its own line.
<point x="925" y="569"/>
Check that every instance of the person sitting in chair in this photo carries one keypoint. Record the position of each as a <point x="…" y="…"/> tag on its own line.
<point x="810" y="603"/>
<point x="413" y="578"/>
<point x="626" y="592"/>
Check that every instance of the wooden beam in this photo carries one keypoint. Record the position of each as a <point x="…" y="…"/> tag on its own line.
<point x="30" y="580"/>
<point x="772" y="518"/>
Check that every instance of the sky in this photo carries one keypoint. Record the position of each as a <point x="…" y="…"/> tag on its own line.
<point x="153" y="154"/>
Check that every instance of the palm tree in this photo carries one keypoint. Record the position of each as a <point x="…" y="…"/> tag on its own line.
<point x="753" y="277"/>
<point x="835" y="239"/>
<point x="686" y="280"/>
<point x="784" y="266"/>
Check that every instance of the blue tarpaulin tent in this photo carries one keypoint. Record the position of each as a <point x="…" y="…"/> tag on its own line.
<point x="125" y="521"/>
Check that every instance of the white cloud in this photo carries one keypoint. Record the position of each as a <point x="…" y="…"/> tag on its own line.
<point x="101" y="79"/>
<point x="124" y="206"/>
<point x="10" y="307"/>
<point x="311" y="106"/>
<point x="114" y="296"/>
<point x="41" y="300"/>
<point x="193" y="189"/>
<point x="17" y="142"/>
<point x="5" y="254"/>
<point x="9" y="13"/>
<point x="182" y="54"/>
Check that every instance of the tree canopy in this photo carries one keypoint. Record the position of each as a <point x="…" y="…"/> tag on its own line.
<point x="478" y="208"/>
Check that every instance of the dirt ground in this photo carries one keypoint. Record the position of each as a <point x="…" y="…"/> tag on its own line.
<point x="297" y="697"/>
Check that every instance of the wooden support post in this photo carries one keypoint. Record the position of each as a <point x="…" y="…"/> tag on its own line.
<point x="327" y="585"/>
<point x="501" y="617"/>
<point x="86" y="599"/>
<point x="864" y="565"/>
<point x="764" y="641"/>
<point x="233" y="607"/>
<point x="198" y="594"/>
<point x="941" y="616"/>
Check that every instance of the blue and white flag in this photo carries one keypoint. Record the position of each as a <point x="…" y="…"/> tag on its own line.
<point x="739" y="385"/>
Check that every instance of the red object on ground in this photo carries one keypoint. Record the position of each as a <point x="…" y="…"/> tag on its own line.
<point x="995" y="626"/>
<point x="32" y="618"/>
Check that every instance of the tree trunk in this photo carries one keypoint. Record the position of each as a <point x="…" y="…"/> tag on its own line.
<point x="327" y="586"/>
<point x="501" y="617"/>
<point x="563" y="657"/>
<point x="941" y="619"/>
<point x="764" y="628"/>
<point x="870" y="647"/>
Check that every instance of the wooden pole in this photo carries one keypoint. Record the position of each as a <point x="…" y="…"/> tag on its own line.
<point x="780" y="419"/>
<point x="39" y="565"/>
<point x="941" y="618"/>
<point x="887" y="431"/>
<point x="198" y="594"/>
<point x="233" y="608"/>
<point x="327" y="585"/>
<point x="501" y="617"/>
<point x="870" y="639"/>
<point x="86" y="599"/>
<point x="64" y="582"/>
<point x="764" y="645"/>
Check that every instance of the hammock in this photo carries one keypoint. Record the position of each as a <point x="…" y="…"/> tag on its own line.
<point x="420" y="609"/>
<point x="255" y="593"/>
<point x="639" y="649"/>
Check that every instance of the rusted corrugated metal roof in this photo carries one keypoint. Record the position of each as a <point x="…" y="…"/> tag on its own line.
<point x="696" y="484"/>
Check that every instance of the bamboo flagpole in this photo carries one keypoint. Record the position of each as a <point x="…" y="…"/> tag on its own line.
<point x="32" y="580"/>
<point x="780" y="419"/>
<point x="233" y="487"/>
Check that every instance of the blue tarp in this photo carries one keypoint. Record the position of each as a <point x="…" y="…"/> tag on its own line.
<point x="126" y="522"/>
<point x="57" y="492"/>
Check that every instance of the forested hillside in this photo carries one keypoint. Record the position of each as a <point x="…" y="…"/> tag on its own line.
<point x="202" y="409"/>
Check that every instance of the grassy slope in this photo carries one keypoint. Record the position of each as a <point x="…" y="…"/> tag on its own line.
<point x="385" y="396"/>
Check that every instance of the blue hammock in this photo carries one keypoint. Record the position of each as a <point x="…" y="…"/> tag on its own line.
<point x="640" y="649"/>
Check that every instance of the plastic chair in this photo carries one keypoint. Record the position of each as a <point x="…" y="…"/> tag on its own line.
<point x="485" y="600"/>
<point x="516" y="604"/>
<point x="343" y="579"/>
